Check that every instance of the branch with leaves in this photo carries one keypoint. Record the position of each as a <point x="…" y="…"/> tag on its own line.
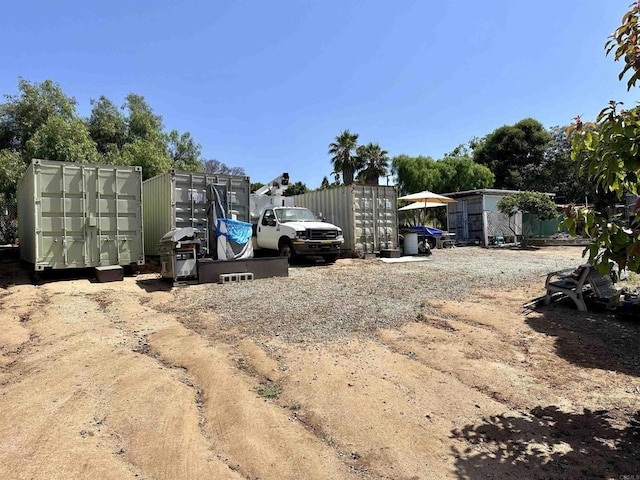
<point x="609" y="155"/>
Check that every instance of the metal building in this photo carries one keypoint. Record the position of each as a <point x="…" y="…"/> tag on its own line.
<point x="177" y="200"/>
<point x="73" y="215"/>
<point x="367" y="214"/>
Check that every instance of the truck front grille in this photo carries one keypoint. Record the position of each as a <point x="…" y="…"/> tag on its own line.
<point x="322" y="234"/>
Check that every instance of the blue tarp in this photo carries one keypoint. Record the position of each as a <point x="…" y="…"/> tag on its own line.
<point x="428" y="231"/>
<point x="239" y="232"/>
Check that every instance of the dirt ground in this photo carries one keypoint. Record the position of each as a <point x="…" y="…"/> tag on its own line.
<point x="97" y="382"/>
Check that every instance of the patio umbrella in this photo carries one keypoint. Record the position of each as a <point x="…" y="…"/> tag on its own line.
<point x="427" y="197"/>
<point x="421" y="205"/>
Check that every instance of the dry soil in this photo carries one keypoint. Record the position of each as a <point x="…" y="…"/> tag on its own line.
<point x="102" y="381"/>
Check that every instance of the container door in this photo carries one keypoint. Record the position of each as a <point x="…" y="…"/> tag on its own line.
<point x="91" y="218"/>
<point x="190" y="204"/>
<point x="111" y="209"/>
<point x="217" y="206"/>
<point x="386" y="219"/>
<point x="61" y="203"/>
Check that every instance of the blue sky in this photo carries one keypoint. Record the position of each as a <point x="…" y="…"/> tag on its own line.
<point x="268" y="85"/>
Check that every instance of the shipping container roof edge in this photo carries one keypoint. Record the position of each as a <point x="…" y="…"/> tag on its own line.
<point x="173" y="171"/>
<point x="42" y="161"/>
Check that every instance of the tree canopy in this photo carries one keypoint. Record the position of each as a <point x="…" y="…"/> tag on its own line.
<point x="608" y="153"/>
<point x="510" y="151"/>
<point x="40" y="121"/>
<point x="344" y="157"/>
<point x="456" y="172"/>
<point x="414" y="174"/>
<point x="297" y="188"/>
<point x="216" y="166"/>
<point x="374" y="161"/>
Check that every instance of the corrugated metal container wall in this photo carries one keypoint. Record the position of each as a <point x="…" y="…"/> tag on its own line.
<point x="73" y="215"/>
<point x="367" y="214"/>
<point x="179" y="199"/>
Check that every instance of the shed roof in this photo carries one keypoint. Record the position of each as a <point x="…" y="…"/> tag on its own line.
<point x="481" y="191"/>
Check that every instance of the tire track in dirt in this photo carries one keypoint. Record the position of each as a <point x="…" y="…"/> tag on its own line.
<point x="258" y="437"/>
<point x="477" y="360"/>
<point x="352" y="396"/>
<point x="253" y="437"/>
<point x="100" y="409"/>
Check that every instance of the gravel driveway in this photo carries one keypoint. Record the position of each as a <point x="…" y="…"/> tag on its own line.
<point x="324" y="303"/>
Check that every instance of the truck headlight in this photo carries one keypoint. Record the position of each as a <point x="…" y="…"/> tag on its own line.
<point x="301" y="234"/>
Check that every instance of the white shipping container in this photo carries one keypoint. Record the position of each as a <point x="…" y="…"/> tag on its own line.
<point x="73" y="215"/>
<point x="367" y="214"/>
<point x="179" y="199"/>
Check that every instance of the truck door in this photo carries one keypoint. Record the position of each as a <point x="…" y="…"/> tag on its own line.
<point x="268" y="230"/>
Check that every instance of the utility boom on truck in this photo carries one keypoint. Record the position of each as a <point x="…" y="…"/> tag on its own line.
<point x="277" y="186"/>
<point x="291" y="231"/>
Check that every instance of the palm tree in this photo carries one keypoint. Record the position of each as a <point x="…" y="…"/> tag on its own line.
<point x="375" y="163"/>
<point x="343" y="155"/>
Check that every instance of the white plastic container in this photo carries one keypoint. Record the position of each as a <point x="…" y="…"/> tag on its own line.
<point x="410" y="244"/>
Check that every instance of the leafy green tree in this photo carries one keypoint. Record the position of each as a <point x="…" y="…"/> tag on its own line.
<point x="344" y="157"/>
<point x="216" y="166"/>
<point x="457" y="174"/>
<point x="184" y="152"/>
<point x="536" y="203"/>
<point x="451" y="174"/>
<point x="24" y="114"/>
<point x="374" y="161"/>
<point x="151" y="155"/>
<point x="297" y="188"/>
<point x="559" y="174"/>
<point x="108" y="128"/>
<point x="510" y="151"/>
<point x="12" y="166"/>
<point x="415" y="174"/>
<point x="62" y="139"/>
<point x="324" y="185"/>
<point x="41" y="121"/>
<point x="142" y="122"/>
<point x="146" y="143"/>
<point x="254" y="185"/>
<point x="609" y="155"/>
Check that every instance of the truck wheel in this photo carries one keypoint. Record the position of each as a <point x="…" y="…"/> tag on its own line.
<point x="330" y="258"/>
<point x="286" y="250"/>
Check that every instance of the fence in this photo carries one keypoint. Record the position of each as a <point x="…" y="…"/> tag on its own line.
<point x="500" y="225"/>
<point x="8" y="222"/>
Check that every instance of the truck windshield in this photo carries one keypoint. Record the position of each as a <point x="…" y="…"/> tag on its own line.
<point x="295" y="215"/>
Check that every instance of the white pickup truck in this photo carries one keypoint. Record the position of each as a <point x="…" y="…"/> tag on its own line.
<point x="295" y="232"/>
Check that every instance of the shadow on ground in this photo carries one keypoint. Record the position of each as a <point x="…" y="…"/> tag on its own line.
<point x="551" y="444"/>
<point x="594" y="339"/>
<point x="155" y="285"/>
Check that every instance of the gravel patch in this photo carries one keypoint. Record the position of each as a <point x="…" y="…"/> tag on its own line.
<point x="323" y="303"/>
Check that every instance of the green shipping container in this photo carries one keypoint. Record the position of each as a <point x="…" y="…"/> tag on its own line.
<point x="73" y="215"/>
<point x="367" y="215"/>
<point x="179" y="199"/>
